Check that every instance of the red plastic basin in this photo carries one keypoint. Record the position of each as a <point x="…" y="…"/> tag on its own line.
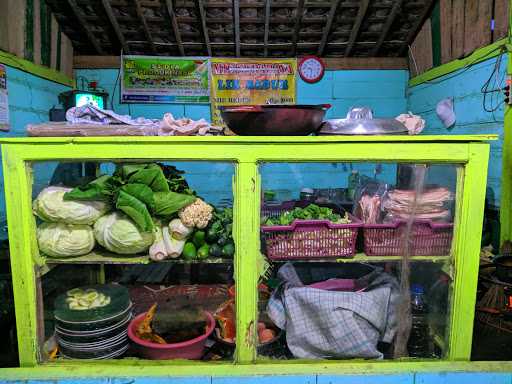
<point x="192" y="349"/>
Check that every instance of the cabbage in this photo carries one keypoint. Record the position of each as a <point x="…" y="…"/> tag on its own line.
<point x="51" y="206"/>
<point x="117" y="233"/>
<point x="65" y="240"/>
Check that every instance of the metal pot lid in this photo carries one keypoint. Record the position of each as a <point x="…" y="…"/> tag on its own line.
<point x="360" y="121"/>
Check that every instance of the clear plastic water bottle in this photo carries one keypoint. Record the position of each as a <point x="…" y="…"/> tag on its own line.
<point x="418" y="344"/>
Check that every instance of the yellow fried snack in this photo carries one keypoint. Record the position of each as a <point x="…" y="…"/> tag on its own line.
<point x="144" y="330"/>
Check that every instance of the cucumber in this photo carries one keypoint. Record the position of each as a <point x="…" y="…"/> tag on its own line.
<point x="203" y="252"/>
<point x="189" y="251"/>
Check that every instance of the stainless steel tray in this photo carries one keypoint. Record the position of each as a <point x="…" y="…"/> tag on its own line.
<point x="360" y="121"/>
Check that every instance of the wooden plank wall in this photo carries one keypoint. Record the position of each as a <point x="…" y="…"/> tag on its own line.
<point x="29" y="30"/>
<point x="465" y="26"/>
<point x="421" y="51"/>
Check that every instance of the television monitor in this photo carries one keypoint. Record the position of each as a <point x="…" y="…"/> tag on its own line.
<point x="84" y="98"/>
<point x="79" y="98"/>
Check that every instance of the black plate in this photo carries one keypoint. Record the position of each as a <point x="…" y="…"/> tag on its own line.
<point x="94" y="326"/>
<point x="119" y="301"/>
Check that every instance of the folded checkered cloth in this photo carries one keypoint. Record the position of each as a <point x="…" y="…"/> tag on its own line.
<point x="325" y="324"/>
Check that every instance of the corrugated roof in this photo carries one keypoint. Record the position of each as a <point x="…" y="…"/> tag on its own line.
<point x="247" y="28"/>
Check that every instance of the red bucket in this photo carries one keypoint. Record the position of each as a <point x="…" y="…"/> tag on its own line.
<point x="192" y="349"/>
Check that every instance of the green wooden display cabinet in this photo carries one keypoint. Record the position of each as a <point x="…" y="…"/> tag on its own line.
<point x="246" y="153"/>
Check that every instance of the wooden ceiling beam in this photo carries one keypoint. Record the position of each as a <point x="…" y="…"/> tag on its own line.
<point x="140" y="15"/>
<point x="387" y="27"/>
<point x="417" y="26"/>
<point x="236" y="15"/>
<point x="174" y="24"/>
<point x="357" y="25"/>
<point x="296" y="29"/>
<point x="202" y="15"/>
<point x="328" y="27"/>
<point x="115" y="25"/>
<point x="331" y="63"/>
<point x="267" y="25"/>
<point x="81" y="20"/>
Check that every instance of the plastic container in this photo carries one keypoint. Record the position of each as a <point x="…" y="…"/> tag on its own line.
<point x="418" y="343"/>
<point x="274" y="348"/>
<point x="307" y="194"/>
<point x="274" y="210"/>
<point x="426" y="238"/>
<point x="309" y="239"/>
<point x="192" y="349"/>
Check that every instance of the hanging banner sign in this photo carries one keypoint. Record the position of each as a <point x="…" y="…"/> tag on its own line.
<point x="4" y="102"/>
<point x="150" y="79"/>
<point x="251" y="82"/>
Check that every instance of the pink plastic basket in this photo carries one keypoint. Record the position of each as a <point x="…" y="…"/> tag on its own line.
<point x="310" y="239"/>
<point x="426" y="239"/>
<point x="192" y="349"/>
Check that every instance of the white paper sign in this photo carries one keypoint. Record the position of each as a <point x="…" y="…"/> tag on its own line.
<point x="4" y="102"/>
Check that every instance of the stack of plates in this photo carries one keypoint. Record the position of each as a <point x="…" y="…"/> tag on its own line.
<point x="100" y="333"/>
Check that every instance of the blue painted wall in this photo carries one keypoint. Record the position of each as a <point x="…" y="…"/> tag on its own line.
<point x="408" y="378"/>
<point x="30" y="98"/>
<point x="464" y="86"/>
<point x="384" y="91"/>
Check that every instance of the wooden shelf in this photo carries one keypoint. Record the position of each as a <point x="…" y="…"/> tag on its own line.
<point x="362" y="258"/>
<point x="100" y="257"/>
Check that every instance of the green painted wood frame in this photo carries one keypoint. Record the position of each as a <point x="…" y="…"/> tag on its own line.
<point x="506" y="175"/>
<point x="35" y="69"/>
<point x="246" y="153"/>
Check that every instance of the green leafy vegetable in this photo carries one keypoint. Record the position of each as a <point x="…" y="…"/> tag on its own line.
<point x="152" y="176"/>
<point x="141" y="192"/>
<point x="219" y="230"/>
<point x="135" y="209"/>
<point x="177" y="182"/>
<point x="98" y="189"/>
<point x="168" y="203"/>
<point x="138" y="190"/>
<point x="311" y="212"/>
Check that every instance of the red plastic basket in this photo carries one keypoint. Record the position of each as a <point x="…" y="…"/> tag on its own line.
<point x="310" y="239"/>
<point x="426" y="239"/>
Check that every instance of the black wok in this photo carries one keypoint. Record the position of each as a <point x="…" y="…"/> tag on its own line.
<point x="274" y="120"/>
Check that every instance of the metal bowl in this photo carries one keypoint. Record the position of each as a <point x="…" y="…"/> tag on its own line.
<point x="274" y="120"/>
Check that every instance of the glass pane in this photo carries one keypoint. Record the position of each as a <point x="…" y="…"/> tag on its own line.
<point x="358" y="260"/>
<point x="139" y="258"/>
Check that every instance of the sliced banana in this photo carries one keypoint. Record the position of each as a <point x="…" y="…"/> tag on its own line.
<point x="74" y="292"/>
<point x="90" y="298"/>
